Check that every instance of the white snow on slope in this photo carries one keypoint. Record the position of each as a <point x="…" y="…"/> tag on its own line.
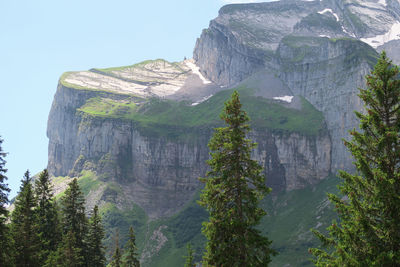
<point x="202" y="100"/>
<point x="392" y="34"/>
<point x="329" y="10"/>
<point x="382" y="2"/>
<point x="286" y="98"/>
<point x="196" y="70"/>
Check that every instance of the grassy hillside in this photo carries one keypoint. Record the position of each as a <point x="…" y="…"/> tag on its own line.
<point x="177" y="119"/>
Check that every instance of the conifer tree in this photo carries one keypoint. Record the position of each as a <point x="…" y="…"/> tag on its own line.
<point x="368" y="232"/>
<point x="131" y="259"/>
<point x="74" y="220"/>
<point x="233" y="189"/>
<point x="95" y="240"/>
<point x="23" y="227"/>
<point x="117" y="256"/>
<point x="46" y="216"/>
<point x="4" y="190"/>
<point x="190" y="256"/>
<point x="67" y="254"/>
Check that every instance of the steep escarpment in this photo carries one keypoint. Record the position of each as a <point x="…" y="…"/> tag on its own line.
<point x="327" y="72"/>
<point x="311" y="45"/>
<point x="155" y="150"/>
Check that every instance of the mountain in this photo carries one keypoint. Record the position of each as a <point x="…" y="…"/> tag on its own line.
<point x="136" y="136"/>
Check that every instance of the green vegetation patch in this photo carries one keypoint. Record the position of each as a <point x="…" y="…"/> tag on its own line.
<point x="88" y="182"/>
<point x="106" y="107"/>
<point x="321" y="21"/>
<point x="290" y="217"/>
<point x="177" y="119"/>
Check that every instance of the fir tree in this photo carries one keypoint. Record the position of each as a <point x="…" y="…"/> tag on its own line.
<point x="117" y="256"/>
<point x="233" y="189"/>
<point x="23" y="227"/>
<point x="74" y="220"/>
<point x="47" y="216"/>
<point x="190" y="256"/>
<point x="95" y="240"/>
<point x="4" y="231"/>
<point x="67" y="254"/>
<point x="131" y="259"/>
<point x="368" y="232"/>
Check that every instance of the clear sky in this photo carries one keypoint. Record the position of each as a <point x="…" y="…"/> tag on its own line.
<point x="40" y="40"/>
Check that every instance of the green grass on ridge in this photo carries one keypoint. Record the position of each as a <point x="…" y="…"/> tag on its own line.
<point x="174" y="119"/>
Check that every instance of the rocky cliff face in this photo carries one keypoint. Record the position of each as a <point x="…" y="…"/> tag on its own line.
<point x="304" y="42"/>
<point x="159" y="173"/>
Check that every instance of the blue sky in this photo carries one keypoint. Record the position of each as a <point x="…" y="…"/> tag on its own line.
<point x="42" y="39"/>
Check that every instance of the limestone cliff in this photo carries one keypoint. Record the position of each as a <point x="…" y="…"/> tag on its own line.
<point x="156" y="165"/>
<point x="311" y="45"/>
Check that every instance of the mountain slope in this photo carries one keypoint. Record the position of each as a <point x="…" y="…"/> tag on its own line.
<point x="136" y="136"/>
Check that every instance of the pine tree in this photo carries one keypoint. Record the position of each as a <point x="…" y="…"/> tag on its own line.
<point x="131" y="259"/>
<point x="233" y="189"/>
<point x="23" y="227"/>
<point x="368" y="232"/>
<point x="67" y="254"/>
<point x="95" y="240"/>
<point x="4" y="231"/>
<point x="74" y="220"/>
<point x="190" y="256"/>
<point x="117" y="256"/>
<point x="46" y="216"/>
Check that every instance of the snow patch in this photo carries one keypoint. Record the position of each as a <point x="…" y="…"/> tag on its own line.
<point x="349" y="33"/>
<point x="392" y="34"/>
<point x="202" y="100"/>
<point x="329" y="10"/>
<point x="382" y="2"/>
<point x="286" y="98"/>
<point x="196" y="70"/>
<point x="323" y="35"/>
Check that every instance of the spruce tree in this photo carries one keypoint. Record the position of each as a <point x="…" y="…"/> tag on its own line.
<point x="368" y="230"/>
<point x="95" y="240"/>
<point x="131" y="259"/>
<point x="117" y="256"/>
<point x="74" y="221"/>
<point x="67" y="254"/>
<point x="46" y="216"/>
<point x="4" y="233"/>
<point x="23" y="227"/>
<point x="190" y="256"/>
<point x="233" y="189"/>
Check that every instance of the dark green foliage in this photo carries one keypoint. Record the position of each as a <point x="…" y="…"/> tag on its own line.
<point x="74" y="221"/>
<point x="4" y="237"/>
<point x="94" y="240"/>
<point x="368" y="232"/>
<point x="234" y="187"/>
<point x="190" y="256"/>
<point x="47" y="220"/>
<point x="23" y="227"/>
<point x="117" y="256"/>
<point x="67" y="254"/>
<point x="131" y="259"/>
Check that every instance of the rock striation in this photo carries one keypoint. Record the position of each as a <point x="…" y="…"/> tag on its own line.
<point x="311" y="45"/>
<point x="159" y="173"/>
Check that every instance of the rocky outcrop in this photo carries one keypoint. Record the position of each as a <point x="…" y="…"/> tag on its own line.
<point x="158" y="173"/>
<point x="327" y="73"/>
<point x="304" y="43"/>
